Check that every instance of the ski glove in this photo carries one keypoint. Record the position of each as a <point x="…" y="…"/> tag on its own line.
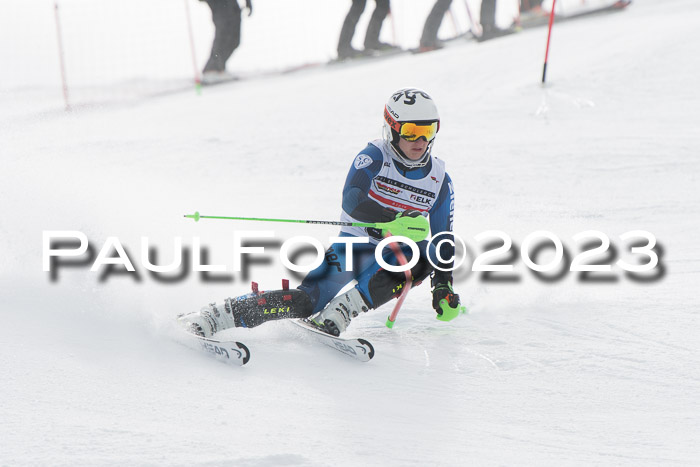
<point x="446" y="302"/>
<point x="409" y="223"/>
<point x="408" y="213"/>
<point x="249" y="6"/>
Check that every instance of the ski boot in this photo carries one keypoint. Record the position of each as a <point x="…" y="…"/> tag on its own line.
<point x="207" y="321"/>
<point x="336" y="316"/>
<point x="248" y="310"/>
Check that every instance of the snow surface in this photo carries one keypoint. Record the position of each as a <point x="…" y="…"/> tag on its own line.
<point x="565" y="372"/>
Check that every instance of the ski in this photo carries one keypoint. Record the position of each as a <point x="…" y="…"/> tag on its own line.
<point x="231" y="352"/>
<point x="208" y="82"/>
<point x="368" y="57"/>
<point x="445" y="43"/>
<point x="359" y="349"/>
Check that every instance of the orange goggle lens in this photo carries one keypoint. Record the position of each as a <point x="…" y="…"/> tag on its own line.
<point x="412" y="132"/>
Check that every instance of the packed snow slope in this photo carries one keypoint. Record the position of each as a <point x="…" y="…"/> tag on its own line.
<point x="540" y="372"/>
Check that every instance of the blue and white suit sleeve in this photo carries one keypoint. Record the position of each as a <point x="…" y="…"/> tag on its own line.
<point x="356" y="201"/>
<point x="442" y="220"/>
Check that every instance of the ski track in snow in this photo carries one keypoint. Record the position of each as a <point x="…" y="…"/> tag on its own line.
<point x="559" y="373"/>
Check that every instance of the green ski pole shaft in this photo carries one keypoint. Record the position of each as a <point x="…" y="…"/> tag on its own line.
<point x="196" y="216"/>
<point x="415" y="229"/>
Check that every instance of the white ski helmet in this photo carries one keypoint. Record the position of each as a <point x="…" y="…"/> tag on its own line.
<point x="410" y="113"/>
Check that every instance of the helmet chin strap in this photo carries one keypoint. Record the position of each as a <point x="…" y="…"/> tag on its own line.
<point x="411" y="164"/>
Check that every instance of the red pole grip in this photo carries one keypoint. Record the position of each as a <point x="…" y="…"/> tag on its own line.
<point x="409" y="282"/>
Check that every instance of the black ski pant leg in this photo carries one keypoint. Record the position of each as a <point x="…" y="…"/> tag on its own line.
<point x="375" y="24"/>
<point x="385" y="285"/>
<point x="351" y="19"/>
<point x="378" y="285"/>
<point x="226" y="15"/>
<point x="487" y="17"/>
<point x="433" y="22"/>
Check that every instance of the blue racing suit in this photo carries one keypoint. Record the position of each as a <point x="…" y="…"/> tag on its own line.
<point x="372" y="194"/>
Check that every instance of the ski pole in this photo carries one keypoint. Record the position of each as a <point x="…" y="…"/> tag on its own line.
<point x="196" y="216"/>
<point x="407" y="287"/>
<point x="403" y="226"/>
<point x="549" y="36"/>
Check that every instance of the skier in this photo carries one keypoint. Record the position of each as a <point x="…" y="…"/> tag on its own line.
<point x="392" y="179"/>
<point x="531" y="13"/>
<point x="372" y="43"/>
<point x="487" y="18"/>
<point x="534" y="6"/>
<point x="226" y="16"/>
<point x="429" y="40"/>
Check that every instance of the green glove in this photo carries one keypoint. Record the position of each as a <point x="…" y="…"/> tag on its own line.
<point x="409" y="223"/>
<point x="446" y="302"/>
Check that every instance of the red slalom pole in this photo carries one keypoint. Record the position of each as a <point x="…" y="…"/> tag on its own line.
<point x="197" y="77"/>
<point x="549" y="37"/>
<point x="61" y="58"/>
<point x="407" y="287"/>
<point x="454" y="21"/>
<point x="475" y="27"/>
<point x="393" y="26"/>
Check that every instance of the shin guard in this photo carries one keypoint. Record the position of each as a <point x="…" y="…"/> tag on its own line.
<point x="259" y="307"/>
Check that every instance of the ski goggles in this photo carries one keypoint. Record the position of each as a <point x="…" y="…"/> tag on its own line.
<point x="413" y="131"/>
